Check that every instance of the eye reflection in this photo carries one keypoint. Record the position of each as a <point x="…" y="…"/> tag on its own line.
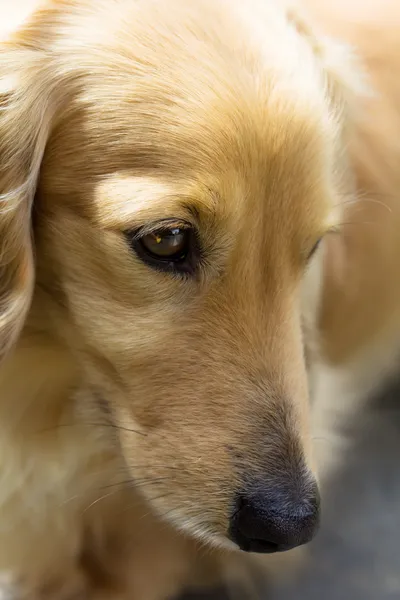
<point x="167" y="243"/>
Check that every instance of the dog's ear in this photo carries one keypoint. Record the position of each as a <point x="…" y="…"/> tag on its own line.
<point x="344" y="74"/>
<point x="26" y="114"/>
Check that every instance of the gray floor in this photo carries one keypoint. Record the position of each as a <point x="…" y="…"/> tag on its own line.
<point x="357" y="555"/>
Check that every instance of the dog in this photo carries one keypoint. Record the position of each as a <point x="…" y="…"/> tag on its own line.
<point x="187" y="191"/>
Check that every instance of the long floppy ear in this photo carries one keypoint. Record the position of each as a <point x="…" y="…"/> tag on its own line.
<point x="25" y="119"/>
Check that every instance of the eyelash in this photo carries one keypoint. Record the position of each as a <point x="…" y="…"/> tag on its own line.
<point x="162" y="225"/>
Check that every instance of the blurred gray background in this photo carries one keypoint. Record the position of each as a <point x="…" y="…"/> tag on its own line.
<point x="356" y="556"/>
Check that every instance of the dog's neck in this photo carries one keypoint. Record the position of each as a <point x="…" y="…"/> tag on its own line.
<point x="38" y="377"/>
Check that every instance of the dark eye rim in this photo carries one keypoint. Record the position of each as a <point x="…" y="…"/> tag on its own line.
<point x="184" y="263"/>
<point x="314" y="249"/>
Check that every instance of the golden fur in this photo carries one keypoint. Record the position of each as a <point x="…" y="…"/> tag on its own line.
<point x="134" y="404"/>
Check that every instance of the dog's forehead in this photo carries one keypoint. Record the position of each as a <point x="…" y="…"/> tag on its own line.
<point x="203" y="97"/>
<point x="224" y="157"/>
<point x="200" y="83"/>
<point x="192" y="114"/>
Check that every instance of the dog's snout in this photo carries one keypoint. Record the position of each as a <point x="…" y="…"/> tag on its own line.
<point x="273" y="519"/>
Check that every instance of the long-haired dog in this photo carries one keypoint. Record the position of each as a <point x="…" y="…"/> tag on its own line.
<point x="180" y="182"/>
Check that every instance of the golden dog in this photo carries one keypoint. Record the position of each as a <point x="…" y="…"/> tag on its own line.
<point x="168" y="169"/>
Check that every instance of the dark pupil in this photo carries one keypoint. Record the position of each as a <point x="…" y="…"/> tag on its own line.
<point x="169" y="243"/>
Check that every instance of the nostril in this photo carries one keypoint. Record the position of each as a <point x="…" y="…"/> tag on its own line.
<point x="272" y="521"/>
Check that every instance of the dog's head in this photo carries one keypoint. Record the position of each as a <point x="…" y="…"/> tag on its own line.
<point x="167" y="169"/>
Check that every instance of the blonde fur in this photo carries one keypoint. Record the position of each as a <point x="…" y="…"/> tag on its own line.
<point x="134" y="405"/>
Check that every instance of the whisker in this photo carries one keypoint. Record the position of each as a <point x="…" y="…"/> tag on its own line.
<point x="152" y="466"/>
<point x="154" y="498"/>
<point x="149" y="501"/>
<point x="104" y="497"/>
<point x="362" y="198"/>
<point x="86" y="423"/>
<point x="346" y="223"/>
<point x="166" y="513"/>
<point x="135" y="482"/>
<point x="139" y="484"/>
<point x="122" y="428"/>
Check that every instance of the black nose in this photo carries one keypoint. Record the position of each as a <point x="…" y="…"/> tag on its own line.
<point x="275" y="519"/>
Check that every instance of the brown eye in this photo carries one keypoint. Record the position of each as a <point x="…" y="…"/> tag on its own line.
<point x="173" y="248"/>
<point x="168" y="244"/>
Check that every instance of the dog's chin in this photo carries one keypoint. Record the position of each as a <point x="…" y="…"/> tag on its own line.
<point x="217" y="542"/>
<point x="213" y="541"/>
<point x="200" y="532"/>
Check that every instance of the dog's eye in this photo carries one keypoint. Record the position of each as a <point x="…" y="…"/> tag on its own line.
<point x="169" y="248"/>
<point x="314" y="249"/>
<point x="170" y="244"/>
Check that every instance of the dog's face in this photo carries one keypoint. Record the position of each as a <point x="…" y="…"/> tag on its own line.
<point x="183" y="155"/>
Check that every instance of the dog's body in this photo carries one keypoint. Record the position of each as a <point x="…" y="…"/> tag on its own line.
<point x="249" y="124"/>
